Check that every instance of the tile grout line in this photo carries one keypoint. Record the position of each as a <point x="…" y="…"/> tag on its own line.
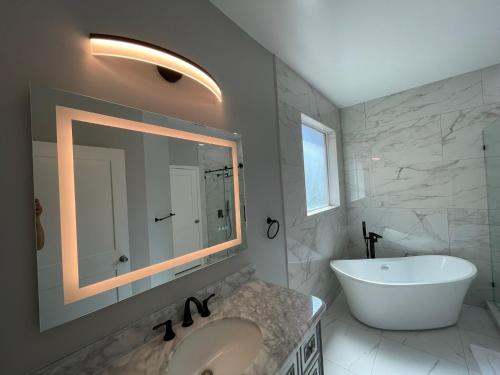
<point x="376" y="354"/>
<point x="464" y="349"/>
<point x="482" y="86"/>
<point x="394" y="341"/>
<point x="461" y="332"/>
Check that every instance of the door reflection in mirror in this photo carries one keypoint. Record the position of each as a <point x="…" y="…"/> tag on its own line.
<point x="141" y="199"/>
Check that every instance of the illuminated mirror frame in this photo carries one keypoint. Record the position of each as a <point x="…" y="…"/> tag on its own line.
<point x="65" y="108"/>
<point x="69" y="246"/>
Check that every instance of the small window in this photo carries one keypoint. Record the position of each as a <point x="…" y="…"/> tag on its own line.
<point x="320" y="166"/>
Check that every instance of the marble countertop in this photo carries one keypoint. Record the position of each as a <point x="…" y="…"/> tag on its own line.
<point x="283" y="315"/>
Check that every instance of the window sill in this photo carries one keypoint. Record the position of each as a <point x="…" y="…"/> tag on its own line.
<point x="320" y="210"/>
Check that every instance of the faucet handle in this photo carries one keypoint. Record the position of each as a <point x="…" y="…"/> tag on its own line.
<point x="169" y="332"/>
<point x="374" y="235"/>
<point x="206" y="312"/>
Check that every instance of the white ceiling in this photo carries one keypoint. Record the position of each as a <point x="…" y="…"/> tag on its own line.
<point x="356" y="50"/>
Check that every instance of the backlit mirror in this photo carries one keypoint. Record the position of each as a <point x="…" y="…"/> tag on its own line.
<point x="126" y="200"/>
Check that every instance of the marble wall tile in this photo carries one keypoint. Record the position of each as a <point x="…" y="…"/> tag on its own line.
<point x="311" y="245"/>
<point x="328" y="114"/>
<point x="294" y="195"/>
<point x="412" y="186"/>
<point x="295" y="91"/>
<point x="464" y="91"/>
<point x="469" y="233"/>
<point x="493" y="182"/>
<point x="353" y="118"/>
<point x="321" y="281"/>
<point x="356" y="177"/>
<point x="355" y="150"/>
<point x="480" y="289"/>
<point x="495" y="246"/>
<point x="494" y="217"/>
<point x="491" y="84"/>
<point x="357" y="185"/>
<point x="421" y="150"/>
<point x="290" y="135"/>
<point x="467" y="184"/>
<point x="458" y="183"/>
<point x="416" y="231"/>
<point x="463" y="131"/>
<point x="414" y="141"/>
<point x="494" y="220"/>
<point x="289" y="118"/>
<point x="312" y="241"/>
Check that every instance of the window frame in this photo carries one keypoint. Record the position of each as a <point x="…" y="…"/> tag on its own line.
<point x="332" y="168"/>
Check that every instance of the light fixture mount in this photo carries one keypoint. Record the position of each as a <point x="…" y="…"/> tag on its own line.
<point x="169" y="75"/>
<point x="171" y="65"/>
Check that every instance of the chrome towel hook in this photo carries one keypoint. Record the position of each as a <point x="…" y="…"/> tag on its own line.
<point x="270" y="223"/>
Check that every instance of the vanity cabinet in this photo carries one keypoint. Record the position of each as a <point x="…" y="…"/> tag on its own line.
<point x="308" y="358"/>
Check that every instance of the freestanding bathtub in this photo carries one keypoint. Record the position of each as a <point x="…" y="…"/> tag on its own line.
<point x="411" y="293"/>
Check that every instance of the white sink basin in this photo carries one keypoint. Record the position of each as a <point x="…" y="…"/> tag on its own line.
<point x="224" y="347"/>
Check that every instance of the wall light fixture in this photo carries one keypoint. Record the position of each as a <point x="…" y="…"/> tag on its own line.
<point x="170" y="65"/>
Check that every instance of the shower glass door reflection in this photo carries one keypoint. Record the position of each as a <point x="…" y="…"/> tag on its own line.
<point x="491" y="136"/>
<point x="220" y="208"/>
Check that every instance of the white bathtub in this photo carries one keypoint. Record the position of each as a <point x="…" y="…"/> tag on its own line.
<point x="411" y="293"/>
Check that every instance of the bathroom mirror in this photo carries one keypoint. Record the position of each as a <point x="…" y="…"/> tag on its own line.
<point x="126" y="200"/>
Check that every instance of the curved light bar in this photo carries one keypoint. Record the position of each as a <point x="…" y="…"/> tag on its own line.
<point x="110" y="45"/>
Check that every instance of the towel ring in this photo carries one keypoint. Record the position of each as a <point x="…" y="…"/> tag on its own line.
<point x="270" y="223"/>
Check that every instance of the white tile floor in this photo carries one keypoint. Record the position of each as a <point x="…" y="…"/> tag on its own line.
<point x="350" y="347"/>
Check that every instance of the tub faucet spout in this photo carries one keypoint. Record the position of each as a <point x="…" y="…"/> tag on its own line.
<point x="371" y="239"/>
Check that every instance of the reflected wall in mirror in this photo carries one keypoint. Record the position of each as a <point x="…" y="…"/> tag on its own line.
<point x="126" y="200"/>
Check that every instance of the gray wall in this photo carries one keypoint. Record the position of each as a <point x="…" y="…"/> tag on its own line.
<point x="183" y="152"/>
<point x="415" y="171"/>
<point x="311" y="241"/>
<point x="46" y="42"/>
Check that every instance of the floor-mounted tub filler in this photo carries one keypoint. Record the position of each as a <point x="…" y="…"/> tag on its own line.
<point x="411" y="293"/>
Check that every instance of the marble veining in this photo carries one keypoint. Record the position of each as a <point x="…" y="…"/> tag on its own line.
<point x="283" y="316"/>
<point x="491" y="84"/>
<point x="311" y="246"/>
<point x="100" y="354"/>
<point x="422" y="149"/>
<point x="405" y="232"/>
<point x="462" y="131"/>
<point x="350" y="347"/>
<point x="290" y="134"/>
<point x="469" y="233"/>
<point x="295" y="91"/>
<point x="312" y="241"/>
<point x="457" y="183"/>
<point x="414" y="141"/>
<point x="455" y="93"/>
<point x="493" y="178"/>
<point x="356" y="118"/>
<point x="356" y="154"/>
<point x="488" y="360"/>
